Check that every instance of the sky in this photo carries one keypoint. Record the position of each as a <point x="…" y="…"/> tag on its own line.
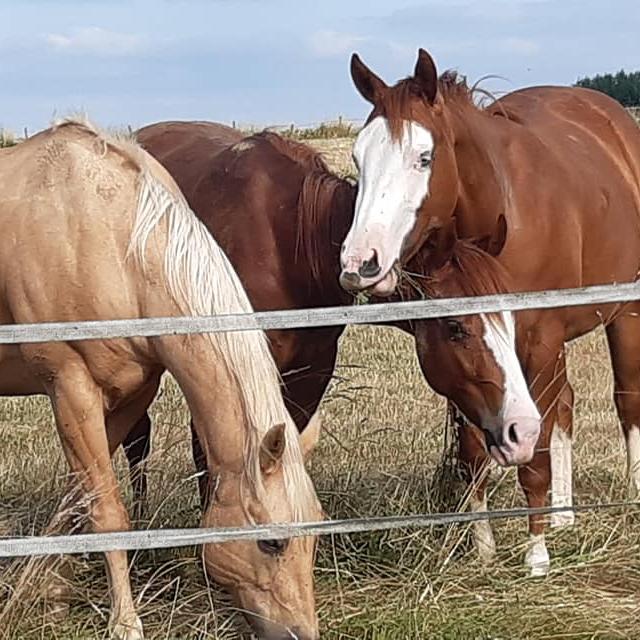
<point x="268" y="62"/>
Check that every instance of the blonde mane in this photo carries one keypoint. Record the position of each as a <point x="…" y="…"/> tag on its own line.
<point x="202" y="281"/>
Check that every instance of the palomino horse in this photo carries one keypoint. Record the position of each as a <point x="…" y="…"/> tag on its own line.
<point x="95" y="228"/>
<point x="562" y="165"/>
<point x="299" y="213"/>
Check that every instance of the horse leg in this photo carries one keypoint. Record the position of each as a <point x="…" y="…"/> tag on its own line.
<point x="623" y="335"/>
<point x="475" y="464"/>
<point x="79" y="413"/>
<point x="561" y="458"/>
<point x="546" y="375"/>
<point x="137" y="447"/>
<point x="200" y="461"/>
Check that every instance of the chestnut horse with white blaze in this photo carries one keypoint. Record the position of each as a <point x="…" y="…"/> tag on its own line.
<point x="562" y="167"/>
<point x="299" y="212"/>
<point x="95" y="228"/>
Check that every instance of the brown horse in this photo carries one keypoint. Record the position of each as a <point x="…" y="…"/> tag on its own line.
<point x="277" y="189"/>
<point x="95" y="228"/>
<point x="299" y="213"/>
<point x="562" y="165"/>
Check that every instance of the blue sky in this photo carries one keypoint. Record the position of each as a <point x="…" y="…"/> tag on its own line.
<point x="277" y="61"/>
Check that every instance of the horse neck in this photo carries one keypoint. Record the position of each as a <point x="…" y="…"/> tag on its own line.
<point x="482" y="179"/>
<point x="212" y="395"/>
<point x="325" y="214"/>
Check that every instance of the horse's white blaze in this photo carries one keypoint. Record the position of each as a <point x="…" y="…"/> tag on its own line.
<point x="537" y="558"/>
<point x="500" y="337"/>
<point x="633" y="460"/>
<point x="561" y="477"/>
<point x="393" y="182"/>
<point x="482" y="533"/>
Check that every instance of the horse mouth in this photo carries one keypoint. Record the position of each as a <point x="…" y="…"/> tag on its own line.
<point x="381" y="287"/>
<point x="386" y="285"/>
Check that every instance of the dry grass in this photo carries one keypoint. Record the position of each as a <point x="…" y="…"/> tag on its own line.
<point x="380" y="455"/>
<point x="7" y="139"/>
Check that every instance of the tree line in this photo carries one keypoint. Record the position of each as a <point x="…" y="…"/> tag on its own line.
<point x="622" y="86"/>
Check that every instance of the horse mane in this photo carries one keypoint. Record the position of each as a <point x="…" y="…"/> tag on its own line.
<point x="323" y="194"/>
<point x="201" y="281"/>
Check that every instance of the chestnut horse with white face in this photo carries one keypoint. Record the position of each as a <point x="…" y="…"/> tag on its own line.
<point x="562" y="165"/>
<point x="95" y="228"/>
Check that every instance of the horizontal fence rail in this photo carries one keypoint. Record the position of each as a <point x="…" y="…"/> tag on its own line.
<point x="317" y="317"/>
<point x="164" y="538"/>
<point x="290" y="319"/>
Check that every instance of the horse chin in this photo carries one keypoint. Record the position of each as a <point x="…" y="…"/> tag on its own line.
<point x="499" y="457"/>
<point x="386" y="286"/>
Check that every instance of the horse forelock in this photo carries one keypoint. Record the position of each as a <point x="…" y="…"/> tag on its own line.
<point x="201" y="280"/>
<point x="470" y="271"/>
<point x="397" y="103"/>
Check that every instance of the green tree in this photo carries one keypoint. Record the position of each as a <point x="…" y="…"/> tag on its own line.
<point x="623" y="87"/>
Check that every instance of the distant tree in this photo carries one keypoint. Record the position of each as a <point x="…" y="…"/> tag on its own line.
<point x="623" y="87"/>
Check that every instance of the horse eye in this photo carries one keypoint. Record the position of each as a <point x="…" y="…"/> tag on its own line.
<point x="457" y="332"/>
<point x="273" y="547"/>
<point x="425" y="160"/>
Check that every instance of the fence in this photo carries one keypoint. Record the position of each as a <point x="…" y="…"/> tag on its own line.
<point x="387" y="312"/>
<point x="341" y="123"/>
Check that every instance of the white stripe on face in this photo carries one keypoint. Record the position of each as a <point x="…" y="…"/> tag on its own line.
<point x="394" y="181"/>
<point x="500" y="337"/>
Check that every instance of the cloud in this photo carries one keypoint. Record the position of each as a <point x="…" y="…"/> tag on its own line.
<point x="97" y="41"/>
<point x="329" y="44"/>
<point x="520" y="46"/>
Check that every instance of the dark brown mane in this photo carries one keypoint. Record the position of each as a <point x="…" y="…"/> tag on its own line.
<point x="471" y="270"/>
<point x="325" y="212"/>
<point x="325" y="205"/>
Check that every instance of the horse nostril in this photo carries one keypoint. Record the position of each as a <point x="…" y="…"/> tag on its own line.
<point x="370" y="268"/>
<point x="513" y="435"/>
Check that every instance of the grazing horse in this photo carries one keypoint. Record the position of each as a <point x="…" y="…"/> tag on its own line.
<point x="562" y="167"/>
<point x="299" y="213"/>
<point x="95" y="228"/>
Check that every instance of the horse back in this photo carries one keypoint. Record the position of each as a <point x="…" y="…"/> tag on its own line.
<point x="186" y="149"/>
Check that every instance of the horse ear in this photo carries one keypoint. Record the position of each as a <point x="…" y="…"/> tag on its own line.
<point x="272" y="449"/>
<point x="439" y="246"/>
<point x="426" y="76"/>
<point x="493" y="243"/>
<point x="311" y="435"/>
<point x="368" y="84"/>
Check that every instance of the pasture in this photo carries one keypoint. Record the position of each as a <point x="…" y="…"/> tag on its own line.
<point x="383" y="451"/>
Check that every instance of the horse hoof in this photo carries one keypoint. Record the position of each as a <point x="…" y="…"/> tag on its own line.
<point x="537" y="558"/>
<point x="128" y="629"/>
<point x="486" y="554"/>
<point x="539" y="570"/>
<point x="57" y="611"/>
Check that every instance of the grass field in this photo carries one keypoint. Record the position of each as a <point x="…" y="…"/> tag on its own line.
<point x="381" y="453"/>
